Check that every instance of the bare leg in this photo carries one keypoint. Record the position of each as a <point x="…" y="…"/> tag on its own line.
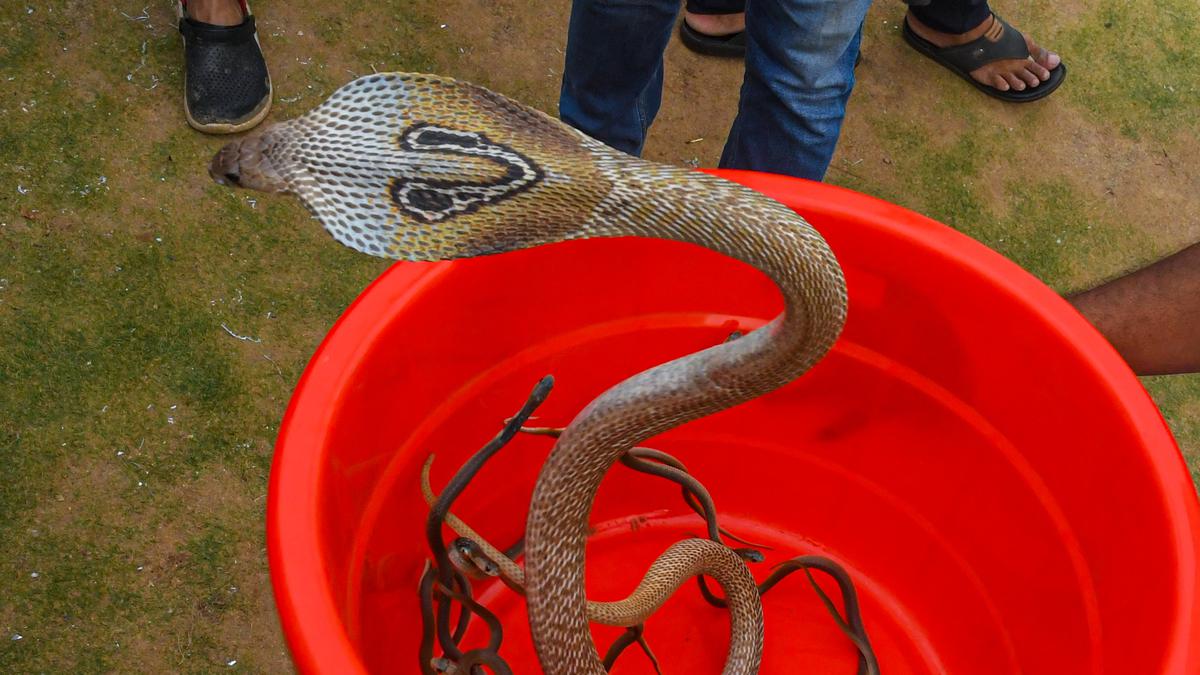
<point x="1151" y="316"/>
<point x="216" y="12"/>
<point x="716" y="24"/>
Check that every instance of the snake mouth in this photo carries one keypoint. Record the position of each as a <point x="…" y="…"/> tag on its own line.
<point x="225" y="167"/>
<point x="247" y="163"/>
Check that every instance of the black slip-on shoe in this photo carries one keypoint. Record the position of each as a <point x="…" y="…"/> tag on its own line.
<point x="226" y="85"/>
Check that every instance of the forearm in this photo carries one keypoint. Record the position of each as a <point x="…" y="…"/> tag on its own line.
<point x="1151" y="316"/>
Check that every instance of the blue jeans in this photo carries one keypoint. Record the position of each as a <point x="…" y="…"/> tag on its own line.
<point x="799" y="73"/>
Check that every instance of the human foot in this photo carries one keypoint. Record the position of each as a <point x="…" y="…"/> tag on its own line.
<point x="714" y="34"/>
<point x="215" y="12"/>
<point x="716" y="25"/>
<point x="1016" y="74"/>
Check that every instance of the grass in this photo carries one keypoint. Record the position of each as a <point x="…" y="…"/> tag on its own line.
<point x="1157" y="41"/>
<point x="136" y="432"/>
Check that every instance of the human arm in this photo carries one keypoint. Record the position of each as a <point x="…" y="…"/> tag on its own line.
<point x="1152" y="315"/>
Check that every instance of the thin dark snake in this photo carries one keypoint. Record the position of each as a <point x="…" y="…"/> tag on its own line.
<point x="852" y="625"/>
<point x="470" y="557"/>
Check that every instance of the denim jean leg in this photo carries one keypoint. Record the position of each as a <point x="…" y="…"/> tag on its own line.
<point x="951" y="16"/>
<point x="799" y="73"/>
<point x="613" y="74"/>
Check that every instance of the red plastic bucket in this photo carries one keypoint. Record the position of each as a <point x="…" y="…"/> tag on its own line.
<point x="997" y="481"/>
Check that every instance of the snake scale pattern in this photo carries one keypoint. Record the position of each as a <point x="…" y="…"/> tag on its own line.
<point x="420" y="167"/>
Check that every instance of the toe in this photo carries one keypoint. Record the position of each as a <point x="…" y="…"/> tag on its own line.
<point x="1014" y="81"/>
<point x="1029" y="77"/>
<point x="1038" y="70"/>
<point x="999" y="82"/>
<point x="1049" y="59"/>
<point x="1043" y="57"/>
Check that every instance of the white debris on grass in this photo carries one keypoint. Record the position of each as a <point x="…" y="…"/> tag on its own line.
<point x="244" y="338"/>
<point x="143" y="17"/>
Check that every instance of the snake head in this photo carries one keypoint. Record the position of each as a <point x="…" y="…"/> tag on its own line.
<point x="246" y="163"/>
<point x="418" y="167"/>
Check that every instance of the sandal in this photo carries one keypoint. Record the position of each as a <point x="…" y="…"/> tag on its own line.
<point x="732" y="45"/>
<point x="962" y="59"/>
<point x="226" y="85"/>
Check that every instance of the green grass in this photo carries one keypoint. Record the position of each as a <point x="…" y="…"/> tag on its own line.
<point x="136" y="432"/>
<point x="1154" y="92"/>
<point x="1179" y="400"/>
<point x="1042" y="222"/>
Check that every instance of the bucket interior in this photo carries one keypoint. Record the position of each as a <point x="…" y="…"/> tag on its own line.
<point x="1003" y="503"/>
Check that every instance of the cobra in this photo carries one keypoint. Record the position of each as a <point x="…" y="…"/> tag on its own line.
<point x="420" y="167"/>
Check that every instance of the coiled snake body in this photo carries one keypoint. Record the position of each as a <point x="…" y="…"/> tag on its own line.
<point x="418" y="167"/>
